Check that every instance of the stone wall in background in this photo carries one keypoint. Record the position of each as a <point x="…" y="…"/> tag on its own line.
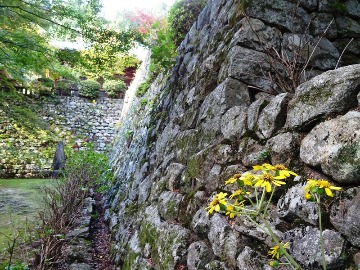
<point x="25" y="154"/>
<point x="216" y="114"/>
<point x="94" y="121"/>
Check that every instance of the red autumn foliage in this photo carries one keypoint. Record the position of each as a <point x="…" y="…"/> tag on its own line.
<point x="143" y="20"/>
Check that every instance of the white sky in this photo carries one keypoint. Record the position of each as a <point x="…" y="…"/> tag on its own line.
<point x="111" y="7"/>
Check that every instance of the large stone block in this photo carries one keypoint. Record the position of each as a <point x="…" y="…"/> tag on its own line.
<point x="334" y="91"/>
<point x="345" y="215"/>
<point x="334" y="146"/>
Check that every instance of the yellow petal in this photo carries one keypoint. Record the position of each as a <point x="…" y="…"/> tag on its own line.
<point x="267" y="187"/>
<point x="328" y="192"/>
<point x="217" y="208"/>
<point x="258" y="183"/>
<point x="257" y="167"/>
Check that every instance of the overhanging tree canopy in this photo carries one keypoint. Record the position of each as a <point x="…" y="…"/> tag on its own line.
<point x="27" y="26"/>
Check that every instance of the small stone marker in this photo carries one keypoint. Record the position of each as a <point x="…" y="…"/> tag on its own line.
<point x="59" y="159"/>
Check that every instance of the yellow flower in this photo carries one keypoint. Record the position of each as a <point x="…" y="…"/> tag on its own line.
<point x="274" y="263"/>
<point x="307" y="196"/>
<point x="263" y="167"/>
<point x="238" y="192"/>
<point x="247" y="178"/>
<point x="265" y="180"/>
<point x="234" y="210"/>
<point x="215" y="204"/>
<point x="282" y="172"/>
<point x="326" y="185"/>
<point x="310" y="184"/>
<point x="319" y="186"/>
<point x="276" y="251"/>
<point x="233" y="179"/>
<point x="230" y="211"/>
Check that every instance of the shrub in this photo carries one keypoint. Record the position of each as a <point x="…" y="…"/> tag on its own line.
<point x="182" y="15"/>
<point x="46" y="82"/>
<point x="64" y="200"/>
<point x="39" y="88"/>
<point x="89" y="89"/>
<point x="65" y="85"/>
<point x="112" y="87"/>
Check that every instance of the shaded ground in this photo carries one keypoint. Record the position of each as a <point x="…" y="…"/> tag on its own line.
<point x="19" y="205"/>
<point x="90" y="251"/>
<point x="100" y="237"/>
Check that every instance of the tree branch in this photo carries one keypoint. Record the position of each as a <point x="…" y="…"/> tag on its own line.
<point x="41" y="17"/>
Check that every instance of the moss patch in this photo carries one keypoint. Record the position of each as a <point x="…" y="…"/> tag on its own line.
<point x="20" y="200"/>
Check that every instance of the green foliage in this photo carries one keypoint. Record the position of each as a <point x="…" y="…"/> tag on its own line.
<point x="143" y="102"/>
<point x="163" y="51"/>
<point x="5" y="83"/>
<point x="64" y="201"/>
<point x="182" y="16"/>
<point x="142" y="88"/>
<point x="104" y="56"/>
<point x="25" y="50"/>
<point x="65" y="85"/>
<point x="67" y="56"/>
<point x="89" y="89"/>
<point x="46" y="82"/>
<point x="40" y="88"/>
<point x="112" y="87"/>
<point x="123" y="61"/>
<point x="87" y="164"/>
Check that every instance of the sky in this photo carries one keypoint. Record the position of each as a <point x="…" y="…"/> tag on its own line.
<point x="111" y="7"/>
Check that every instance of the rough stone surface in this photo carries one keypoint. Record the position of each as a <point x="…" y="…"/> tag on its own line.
<point x="254" y="33"/>
<point x="247" y="66"/>
<point x="224" y="241"/>
<point x="283" y="148"/>
<point x="305" y="247"/>
<point x="272" y="117"/>
<point x="95" y="121"/>
<point x="345" y="215"/>
<point x="251" y="260"/>
<point x="59" y="157"/>
<point x="334" y="91"/>
<point x="169" y="205"/>
<point x="293" y="205"/>
<point x="292" y="17"/>
<point x="334" y="145"/>
<point x="255" y="109"/>
<point x="233" y="123"/>
<point x="324" y="54"/>
<point x="216" y="114"/>
<point x="199" y="255"/>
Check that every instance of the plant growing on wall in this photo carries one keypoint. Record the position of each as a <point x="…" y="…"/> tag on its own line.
<point x="89" y="89"/>
<point x="113" y="87"/>
<point x="182" y="16"/>
<point x="250" y="200"/>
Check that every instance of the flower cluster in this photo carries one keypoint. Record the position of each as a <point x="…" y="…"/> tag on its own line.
<point x="318" y="187"/>
<point x="277" y="251"/>
<point x="265" y="176"/>
<point x="250" y="199"/>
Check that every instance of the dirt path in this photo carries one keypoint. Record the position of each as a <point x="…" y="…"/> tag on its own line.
<point x="100" y="237"/>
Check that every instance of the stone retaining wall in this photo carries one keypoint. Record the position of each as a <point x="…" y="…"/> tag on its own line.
<point x="96" y="121"/>
<point x="216" y="114"/>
